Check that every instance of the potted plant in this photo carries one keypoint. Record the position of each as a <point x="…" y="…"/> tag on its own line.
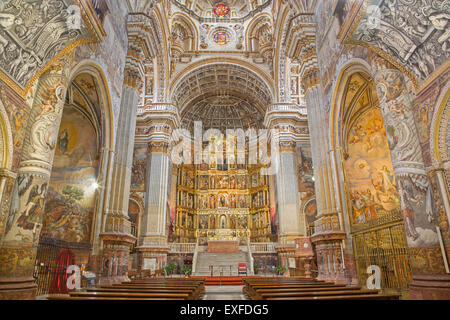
<point x="255" y="269"/>
<point x="280" y="270"/>
<point x="187" y="271"/>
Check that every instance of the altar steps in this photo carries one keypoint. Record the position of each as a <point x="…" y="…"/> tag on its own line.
<point x="224" y="281"/>
<point x="221" y="263"/>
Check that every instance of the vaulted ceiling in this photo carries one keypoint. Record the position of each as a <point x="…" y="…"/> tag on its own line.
<point x="221" y="78"/>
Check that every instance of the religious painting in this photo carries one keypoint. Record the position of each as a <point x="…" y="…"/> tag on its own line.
<point x="233" y="200"/>
<point x="222" y="182"/>
<point x="311" y="212"/>
<point x="254" y="179"/>
<point x="221" y="11"/>
<point x="233" y="221"/>
<point x="255" y="220"/>
<point x="242" y="201"/>
<point x="223" y="222"/>
<point x="212" y="201"/>
<point x="306" y="173"/>
<point x="190" y="222"/>
<point x="71" y="195"/>
<point x="223" y="200"/>
<point x="242" y="182"/>
<point x="212" y="224"/>
<point x="203" y="221"/>
<point x="255" y="200"/>
<point x="183" y="219"/>
<point x="203" y="182"/>
<point x="371" y="181"/>
<point x="243" y="222"/>
<point x="139" y="169"/>
<point x="232" y="182"/>
<point x="221" y="37"/>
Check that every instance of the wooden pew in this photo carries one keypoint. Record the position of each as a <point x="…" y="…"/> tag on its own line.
<point x="299" y="289"/>
<point x="196" y="287"/>
<point x="131" y="295"/>
<point x="151" y="289"/>
<point x="314" y="292"/>
<point x="192" y="294"/>
<point x="345" y="297"/>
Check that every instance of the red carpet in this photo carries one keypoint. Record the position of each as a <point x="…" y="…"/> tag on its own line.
<point x="224" y="281"/>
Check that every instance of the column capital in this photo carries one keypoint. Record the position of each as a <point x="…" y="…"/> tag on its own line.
<point x="285" y="114"/>
<point x="156" y="122"/>
<point x="158" y="146"/>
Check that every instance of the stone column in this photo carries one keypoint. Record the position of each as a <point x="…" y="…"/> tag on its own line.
<point x="153" y="236"/>
<point x="290" y="224"/>
<point x="157" y="121"/>
<point x="416" y="202"/>
<point x="328" y="228"/>
<point x="19" y="243"/>
<point x="289" y="126"/>
<point x="105" y="186"/>
<point x="117" y="228"/>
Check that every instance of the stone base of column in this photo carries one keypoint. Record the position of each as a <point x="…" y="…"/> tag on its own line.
<point x="116" y="248"/>
<point x="351" y="277"/>
<point x="152" y="256"/>
<point x="329" y="261"/>
<point x="18" y="289"/>
<point x="284" y="253"/>
<point x="430" y="287"/>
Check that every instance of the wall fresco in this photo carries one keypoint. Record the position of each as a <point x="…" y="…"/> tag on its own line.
<point x="371" y="180"/>
<point x="71" y="197"/>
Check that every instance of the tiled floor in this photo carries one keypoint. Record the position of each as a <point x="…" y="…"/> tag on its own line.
<point x="224" y="293"/>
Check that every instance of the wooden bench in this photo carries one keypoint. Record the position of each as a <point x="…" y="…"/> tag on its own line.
<point x="117" y="297"/>
<point x="345" y="297"/>
<point x="302" y="289"/>
<point x="192" y="294"/>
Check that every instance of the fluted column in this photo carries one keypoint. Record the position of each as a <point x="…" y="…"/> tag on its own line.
<point x="18" y="245"/>
<point x="157" y="121"/>
<point x="329" y="231"/>
<point x="415" y="191"/>
<point x="116" y="232"/>
<point x="291" y="224"/>
<point x="288" y="126"/>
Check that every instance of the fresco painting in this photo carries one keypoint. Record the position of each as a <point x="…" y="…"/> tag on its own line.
<point x="372" y="184"/>
<point x="138" y="169"/>
<point x="70" y="200"/>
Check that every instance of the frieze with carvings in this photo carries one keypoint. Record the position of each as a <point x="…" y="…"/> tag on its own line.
<point x="32" y="34"/>
<point x="414" y="33"/>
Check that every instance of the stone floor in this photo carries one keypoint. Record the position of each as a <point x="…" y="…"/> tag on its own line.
<point x="224" y="293"/>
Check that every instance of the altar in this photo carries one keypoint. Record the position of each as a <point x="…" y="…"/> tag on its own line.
<point x="223" y="246"/>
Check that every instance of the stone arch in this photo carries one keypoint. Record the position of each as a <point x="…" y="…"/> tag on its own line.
<point x="254" y="29"/>
<point x="184" y="21"/>
<point x="367" y="185"/>
<point x="107" y="122"/>
<point x="6" y="140"/>
<point x="440" y="130"/>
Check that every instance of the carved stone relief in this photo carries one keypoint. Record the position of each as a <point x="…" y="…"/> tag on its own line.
<point x="33" y="33"/>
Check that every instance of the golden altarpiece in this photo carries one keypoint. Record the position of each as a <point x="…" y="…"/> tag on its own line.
<point x="222" y="199"/>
